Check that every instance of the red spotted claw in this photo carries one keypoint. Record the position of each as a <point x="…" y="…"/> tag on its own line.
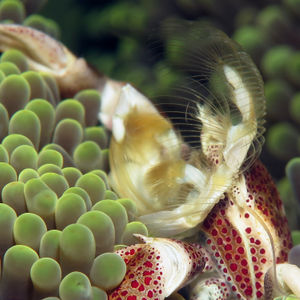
<point x="158" y="267"/>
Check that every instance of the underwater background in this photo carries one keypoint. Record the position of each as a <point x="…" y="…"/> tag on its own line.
<point x="123" y="40"/>
<point x="49" y="149"/>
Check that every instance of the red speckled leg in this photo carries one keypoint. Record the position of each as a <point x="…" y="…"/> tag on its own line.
<point x="245" y="229"/>
<point x="210" y="289"/>
<point x="158" y="268"/>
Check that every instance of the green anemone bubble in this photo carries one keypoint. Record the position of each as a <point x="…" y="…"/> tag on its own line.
<point x="12" y="141"/>
<point x="49" y="168"/>
<point x="278" y="94"/>
<point x="97" y="134"/>
<point x="93" y="185"/>
<point x="17" y="58"/>
<point x="46" y="114"/>
<point x="103" y="175"/>
<point x="4" y="121"/>
<point x="53" y="29"/>
<point x="271" y="18"/>
<point x="130" y="207"/>
<point x="292" y="68"/>
<point x="87" y="156"/>
<point x="2" y="76"/>
<point x="27" y="123"/>
<point x="49" y="245"/>
<point x="293" y="173"/>
<point x="68" y="133"/>
<point x="98" y="294"/>
<point x="105" y="160"/>
<point x="293" y="6"/>
<point x="75" y="286"/>
<point x="28" y="230"/>
<point x="294" y="107"/>
<point x="56" y="182"/>
<point x="50" y="157"/>
<point x="73" y="256"/>
<point x="53" y="94"/>
<point x="108" y="271"/>
<point x="291" y="205"/>
<point x="7" y="174"/>
<point x="102" y="228"/>
<point x="36" y="21"/>
<point x="41" y="23"/>
<point x="12" y="10"/>
<point x="91" y="102"/>
<point x="9" y="68"/>
<point x="24" y="157"/>
<point x="7" y="219"/>
<point x="289" y="297"/>
<point x="38" y="88"/>
<point x="132" y="228"/>
<point x="70" y="109"/>
<point x="110" y="195"/>
<point x="27" y="174"/>
<point x="3" y="154"/>
<point x="296" y="237"/>
<point x="45" y="274"/>
<point x="41" y="200"/>
<point x="68" y="161"/>
<point x="13" y="195"/>
<point x="275" y="59"/>
<point x="281" y="141"/>
<point x="82" y="193"/>
<point x="250" y="37"/>
<point x="14" y="93"/>
<point x="72" y="175"/>
<point x="69" y="208"/>
<point x="116" y="212"/>
<point x="16" y="284"/>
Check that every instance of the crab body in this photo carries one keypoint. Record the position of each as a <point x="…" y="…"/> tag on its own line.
<point x="245" y="241"/>
<point x="220" y="188"/>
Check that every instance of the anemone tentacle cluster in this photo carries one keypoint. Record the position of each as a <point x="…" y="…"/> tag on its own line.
<point x="60" y="221"/>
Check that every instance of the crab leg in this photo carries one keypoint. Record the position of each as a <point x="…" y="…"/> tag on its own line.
<point x="46" y="54"/>
<point x="157" y="268"/>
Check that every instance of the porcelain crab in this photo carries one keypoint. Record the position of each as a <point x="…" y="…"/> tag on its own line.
<point x="220" y="189"/>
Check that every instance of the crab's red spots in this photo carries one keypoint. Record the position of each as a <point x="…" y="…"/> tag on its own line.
<point x="214" y="232"/>
<point x="233" y="267"/>
<point x="248" y="230"/>
<point x="243" y="233"/>
<point x="240" y="250"/>
<point x="259" y="294"/>
<point x="134" y="284"/>
<point x="148" y="264"/>
<point x="150" y="294"/>
<point x="249" y="291"/>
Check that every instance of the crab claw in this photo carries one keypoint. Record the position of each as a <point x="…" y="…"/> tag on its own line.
<point x="48" y="55"/>
<point x="157" y="268"/>
<point x="287" y="281"/>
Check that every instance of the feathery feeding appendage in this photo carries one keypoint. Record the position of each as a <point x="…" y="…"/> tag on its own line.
<point x="174" y="184"/>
